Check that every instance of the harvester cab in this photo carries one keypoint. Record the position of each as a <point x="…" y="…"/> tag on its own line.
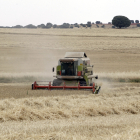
<point x="73" y="72"/>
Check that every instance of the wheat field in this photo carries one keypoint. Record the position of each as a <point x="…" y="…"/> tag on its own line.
<point x="27" y="55"/>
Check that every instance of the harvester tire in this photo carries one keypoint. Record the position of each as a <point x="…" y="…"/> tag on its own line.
<point x="83" y="83"/>
<point x="97" y="90"/>
<point x="57" y="82"/>
<point x="32" y="86"/>
<point x="91" y="84"/>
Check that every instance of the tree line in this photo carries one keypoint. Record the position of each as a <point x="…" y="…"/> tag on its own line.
<point x="50" y="25"/>
<point x="117" y="21"/>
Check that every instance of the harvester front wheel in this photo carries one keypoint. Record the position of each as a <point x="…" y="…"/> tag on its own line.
<point x="83" y="83"/>
<point x="57" y="82"/>
<point x="32" y="86"/>
<point x="97" y="90"/>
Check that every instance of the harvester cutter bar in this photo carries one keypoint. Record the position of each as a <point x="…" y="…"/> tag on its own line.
<point x="50" y="86"/>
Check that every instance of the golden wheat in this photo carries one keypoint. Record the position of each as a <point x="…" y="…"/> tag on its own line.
<point x="29" y="55"/>
<point x="58" y="107"/>
<point x="62" y="116"/>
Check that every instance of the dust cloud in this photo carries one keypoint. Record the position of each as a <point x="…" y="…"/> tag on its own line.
<point x="31" y="64"/>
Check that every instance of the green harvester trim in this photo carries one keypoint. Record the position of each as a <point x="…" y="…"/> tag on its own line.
<point x="86" y="79"/>
<point x="80" y="68"/>
<point x="58" y="68"/>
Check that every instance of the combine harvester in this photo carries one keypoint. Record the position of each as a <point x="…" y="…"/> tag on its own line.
<point x="72" y="72"/>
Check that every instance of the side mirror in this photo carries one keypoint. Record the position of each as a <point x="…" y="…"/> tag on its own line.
<point x="96" y="77"/>
<point x="53" y="69"/>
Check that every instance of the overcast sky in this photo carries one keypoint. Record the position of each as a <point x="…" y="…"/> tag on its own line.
<point x="23" y="12"/>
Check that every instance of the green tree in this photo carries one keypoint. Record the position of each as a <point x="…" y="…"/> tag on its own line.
<point x="88" y="24"/>
<point x="71" y="27"/>
<point x="98" y="22"/>
<point x="132" y="21"/>
<point x="17" y="26"/>
<point x="41" y="26"/>
<point x="138" y="25"/>
<point x="54" y="26"/>
<point x="64" y="25"/>
<point x="121" y="21"/>
<point x="49" y="25"/>
<point x="103" y="26"/>
<point x="136" y="21"/>
<point x="97" y="26"/>
<point x="30" y="26"/>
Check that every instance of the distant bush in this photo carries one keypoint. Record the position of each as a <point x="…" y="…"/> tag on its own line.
<point x="109" y="22"/>
<point x="64" y="25"/>
<point x="92" y="22"/>
<point x="102" y="26"/>
<point x="88" y="24"/>
<point x="1" y="26"/>
<point x="138" y="25"/>
<point x="98" y="22"/>
<point x="30" y="26"/>
<point x="71" y="26"/>
<point x="132" y="21"/>
<point x="97" y="26"/>
<point x="49" y="25"/>
<point x="136" y="21"/>
<point x="7" y="27"/>
<point x="17" y="26"/>
<point x="84" y="25"/>
<point x="41" y="26"/>
<point x="76" y="25"/>
<point x="113" y="26"/>
<point x="54" y="26"/>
